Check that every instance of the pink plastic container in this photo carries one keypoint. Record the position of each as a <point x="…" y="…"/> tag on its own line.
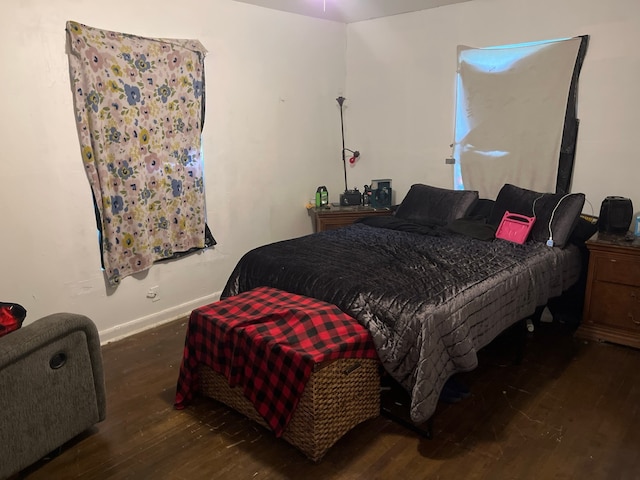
<point x="515" y="227"/>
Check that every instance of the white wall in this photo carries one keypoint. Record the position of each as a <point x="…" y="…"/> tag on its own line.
<point x="271" y="124"/>
<point x="401" y="73"/>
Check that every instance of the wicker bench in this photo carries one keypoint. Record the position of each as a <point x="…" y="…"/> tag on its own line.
<point x="340" y="393"/>
<point x="338" y="397"/>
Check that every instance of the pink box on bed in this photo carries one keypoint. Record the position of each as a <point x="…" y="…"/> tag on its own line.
<point x="515" y="227"/>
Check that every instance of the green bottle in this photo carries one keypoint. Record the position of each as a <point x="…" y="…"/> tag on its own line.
<point x="322" y="196"/>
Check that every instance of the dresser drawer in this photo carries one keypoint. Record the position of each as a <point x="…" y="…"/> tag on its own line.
<point x="617" y="269"/>
<point x="616" y="306"/>
<point x="612" y="297"/>
<point x="337" y="217"/>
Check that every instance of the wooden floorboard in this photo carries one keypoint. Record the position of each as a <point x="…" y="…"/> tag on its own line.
<point x="571" y="409"/>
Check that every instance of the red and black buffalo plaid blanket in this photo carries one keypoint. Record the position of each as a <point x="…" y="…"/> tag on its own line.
<point x="268" y="342"/>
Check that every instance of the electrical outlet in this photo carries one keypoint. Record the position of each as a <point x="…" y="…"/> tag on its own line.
<point x="153" y="293"/>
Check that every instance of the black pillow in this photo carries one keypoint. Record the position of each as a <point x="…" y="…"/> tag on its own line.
<point x="584" y="230"/>
<point x="556" y="214"/>
<point x="429" y="205"/>
<point x="481" y="209"/>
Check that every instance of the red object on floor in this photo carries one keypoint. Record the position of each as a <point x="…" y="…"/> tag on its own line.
<point x="267" y="342"/>
<point x="11" y="317"/>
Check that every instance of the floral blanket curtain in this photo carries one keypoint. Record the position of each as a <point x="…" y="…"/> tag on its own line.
<point x="139" y="106"/>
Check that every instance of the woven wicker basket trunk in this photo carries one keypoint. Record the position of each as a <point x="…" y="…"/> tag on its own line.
<point x="337" y="397"/>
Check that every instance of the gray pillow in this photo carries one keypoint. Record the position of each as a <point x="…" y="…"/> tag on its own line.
<point x="565" y="210"/>
<point x="427" y="205"/>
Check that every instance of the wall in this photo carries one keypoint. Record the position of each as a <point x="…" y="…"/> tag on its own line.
<point x="401" y="73"/>
<point x="271" y="124"/>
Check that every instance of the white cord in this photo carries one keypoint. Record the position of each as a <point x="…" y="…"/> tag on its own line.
<point x="553" y="212"/>
<point x="589" y="206"/>
<point x="534" y="204"/>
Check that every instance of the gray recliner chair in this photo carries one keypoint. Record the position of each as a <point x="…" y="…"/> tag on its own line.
<point x="51" y="387"/>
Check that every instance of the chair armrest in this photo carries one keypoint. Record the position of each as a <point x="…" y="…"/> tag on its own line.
<point x="32" y="336"/>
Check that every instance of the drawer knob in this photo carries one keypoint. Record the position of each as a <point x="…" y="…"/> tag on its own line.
<point x="613" y="260"/>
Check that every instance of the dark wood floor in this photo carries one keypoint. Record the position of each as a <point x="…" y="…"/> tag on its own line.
<point x="570" y="410"/>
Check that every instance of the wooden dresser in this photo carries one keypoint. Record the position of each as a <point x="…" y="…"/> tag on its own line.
<point x="612" y="299"/>
<point x="330" y="218"/>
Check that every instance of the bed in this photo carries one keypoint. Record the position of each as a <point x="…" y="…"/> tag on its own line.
<point x="431" y="283"/>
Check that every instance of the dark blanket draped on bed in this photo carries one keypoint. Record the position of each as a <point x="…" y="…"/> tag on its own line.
<point x="430" y="298"/>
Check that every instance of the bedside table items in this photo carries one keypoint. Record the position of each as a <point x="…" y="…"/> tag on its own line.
<point x="350" y="198"/>
<point x="381" y="193"/>
<point x="376" y="195"/>
<point x="366" y="196"/>
<point x="322" y="196"/>
<point x="615" y="215"/>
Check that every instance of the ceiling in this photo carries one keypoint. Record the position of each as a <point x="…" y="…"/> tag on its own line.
<point x="349" y="11"/>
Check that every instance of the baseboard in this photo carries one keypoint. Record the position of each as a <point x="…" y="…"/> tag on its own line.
<point x="138" y="325"/>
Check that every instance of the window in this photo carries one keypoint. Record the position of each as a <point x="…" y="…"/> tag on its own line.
<point x="516" y="115"/>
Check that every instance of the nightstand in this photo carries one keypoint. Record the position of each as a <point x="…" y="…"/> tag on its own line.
<point x="612" y="298"/>
<point x="330" y="218"/>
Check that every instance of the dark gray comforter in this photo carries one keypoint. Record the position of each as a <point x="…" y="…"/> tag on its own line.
<point x="430" y="298"/>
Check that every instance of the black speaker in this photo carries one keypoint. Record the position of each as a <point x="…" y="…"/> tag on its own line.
<point x="350" y="197"/>
<point x="615" y="215"/>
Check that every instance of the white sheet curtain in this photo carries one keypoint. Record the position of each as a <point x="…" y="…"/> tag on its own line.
<point x="510" y="112"/>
